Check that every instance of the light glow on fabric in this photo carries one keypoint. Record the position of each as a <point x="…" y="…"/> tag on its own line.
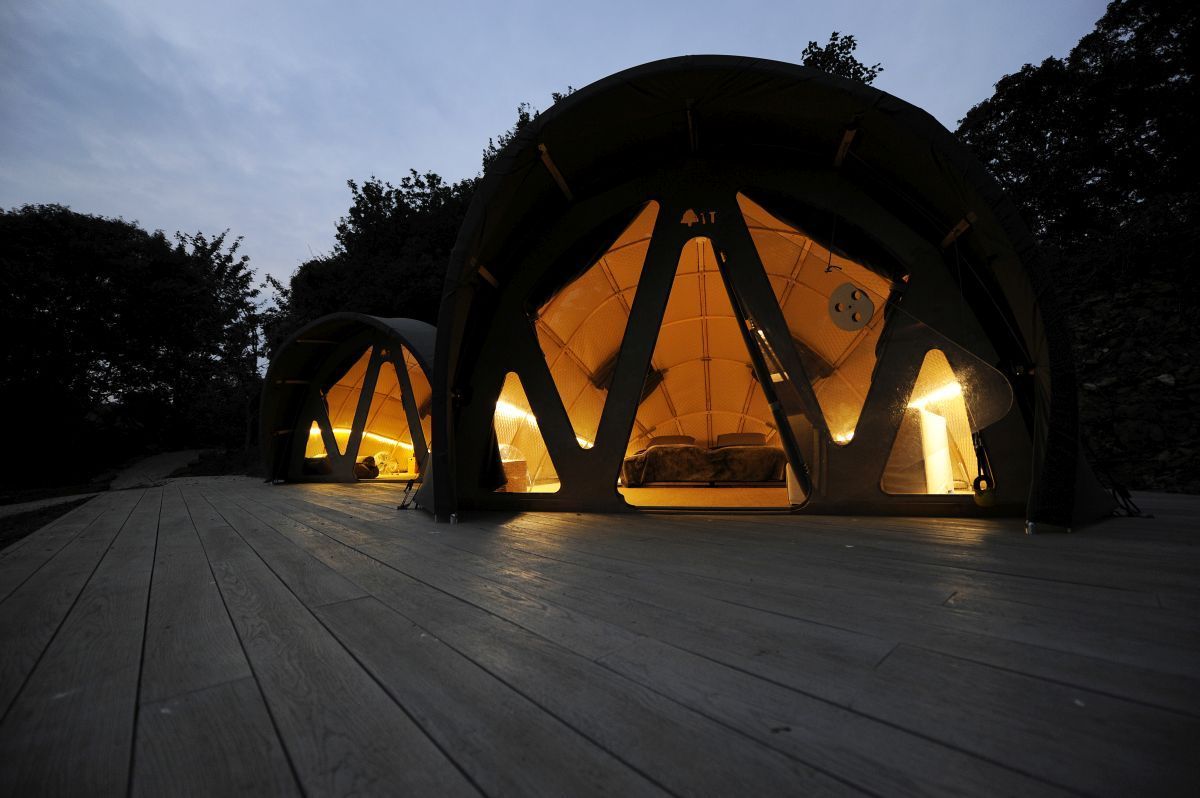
<point x="511" y="411"/>
<point x="345" y="431"/>
<point x="948" y="391"/>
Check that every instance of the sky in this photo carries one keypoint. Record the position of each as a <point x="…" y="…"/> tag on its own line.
<point x="251" y="116"/>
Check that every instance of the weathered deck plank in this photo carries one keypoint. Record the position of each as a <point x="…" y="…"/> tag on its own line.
<point x="1117" y="733"/>
<point x="22" y="559"/>
<point x="34" y="611"/>
<point x="70" y="731"/>
<point x="213" y="741"/>
<point x="241" y="638"/>
<point x="196" y="681"/>
<point x="643" y="729"/>
<point x="344" y="735"/>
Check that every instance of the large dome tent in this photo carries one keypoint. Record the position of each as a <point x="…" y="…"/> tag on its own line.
<point x="714" y="281"/>
<point x="344" y="388"/>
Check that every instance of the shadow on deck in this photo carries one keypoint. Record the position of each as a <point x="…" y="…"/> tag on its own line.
<point x="222" y="636"/>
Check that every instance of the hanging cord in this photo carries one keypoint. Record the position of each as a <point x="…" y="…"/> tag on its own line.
<point x="406" y="501"/>
<point x="832" y="237"/>
<point x="1126" y="506"/>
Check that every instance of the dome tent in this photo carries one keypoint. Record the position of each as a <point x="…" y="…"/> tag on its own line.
<point x="347" y="387"/>
<point x="697" y="277"/>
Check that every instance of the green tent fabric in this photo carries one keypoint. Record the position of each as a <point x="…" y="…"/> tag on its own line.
<point x="836" y="167"/>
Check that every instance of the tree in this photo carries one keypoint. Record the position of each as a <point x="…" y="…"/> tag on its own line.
<point x="390" y="257"/>
<point x="837" y="58"/>
<point x="1097" y="150"/>
<point x="117" y="339"/>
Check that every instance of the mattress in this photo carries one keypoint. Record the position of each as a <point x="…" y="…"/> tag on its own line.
<point x="689" y="463"/>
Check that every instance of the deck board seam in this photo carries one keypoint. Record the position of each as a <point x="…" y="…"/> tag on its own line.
<point x="1060" y="682"/>
<point x="736" y="730"/>
<point x="484" y="668"/>
<point x="915" y="733"/>
<point x="74" y="602"/>
<point x="48" y="560"/>
<point x="300" y="787"/>
<point x="751" y="674"/>
<point x="370" y="675"/>
<point x="777" y="613"/>
<point x="599" y="661"/>
<point x="142" y="655"/>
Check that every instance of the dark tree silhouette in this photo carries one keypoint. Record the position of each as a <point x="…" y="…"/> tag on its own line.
<point x="837" y="58"/>
<point x="117" y="339"/>
<point x="1098" y="150"/>
<point x="390" y="257"/>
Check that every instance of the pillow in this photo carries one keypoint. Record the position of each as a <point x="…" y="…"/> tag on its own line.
<point x="741" y="439"/>
<point x="672" y="440"/>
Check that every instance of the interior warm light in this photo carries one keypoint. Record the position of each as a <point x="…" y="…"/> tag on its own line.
<point x="843" y="437"/>
<point x="948" y="391"/>
<point x="511" y="411"/>
<point x="345" y="431"/>
<point x="935" y="447"/>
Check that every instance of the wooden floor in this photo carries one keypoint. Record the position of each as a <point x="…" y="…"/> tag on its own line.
<point x="221" y="636"/>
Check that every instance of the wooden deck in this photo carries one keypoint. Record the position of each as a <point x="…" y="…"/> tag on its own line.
<point x="222" y="636"/>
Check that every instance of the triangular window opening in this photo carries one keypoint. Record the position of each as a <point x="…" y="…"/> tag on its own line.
<point x="934" y="451"/>
<point x="315" y="445"/>
<point x="422" y="394"/>
<point x="704" y="435"/>
<point x="386" y="438"/>
<point x="581" y="327"/>
<point x="341" y="399"/>
<point x="834" y="311"/>
<point x="524" y="458"/>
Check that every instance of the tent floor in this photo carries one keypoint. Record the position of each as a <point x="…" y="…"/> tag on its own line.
<point x="393" y="478"/>
<point x="229" y="637"/>
<point x="703" y="497"/>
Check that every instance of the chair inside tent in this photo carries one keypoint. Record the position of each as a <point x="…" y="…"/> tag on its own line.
<point x="376" y="414"/>
<point x="705" y="434"/>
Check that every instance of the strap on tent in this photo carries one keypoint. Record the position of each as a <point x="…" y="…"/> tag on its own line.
<point x="844" y="146"/>
<point x="553" y="170"/>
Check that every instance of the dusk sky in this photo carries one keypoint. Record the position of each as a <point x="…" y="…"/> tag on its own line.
<point x="252" y="116"/>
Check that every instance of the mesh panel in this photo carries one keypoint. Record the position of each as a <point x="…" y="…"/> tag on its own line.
<point x="805" y="277"/>
<point x="523" y="454"/>
<point x="580" y="328"/>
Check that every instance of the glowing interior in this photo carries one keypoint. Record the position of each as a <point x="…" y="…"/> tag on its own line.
<point x="933" y="452"/>
<point x="523" y="455"/>
<point x="386" y="435"/>
<point x="804" y="276"/>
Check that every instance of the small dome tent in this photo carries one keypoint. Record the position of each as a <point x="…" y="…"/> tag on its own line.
<point x="725" y="282"/>
<point x="349" y="397"/>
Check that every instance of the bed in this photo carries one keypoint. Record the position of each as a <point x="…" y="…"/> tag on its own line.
<point x="738" y="458"/>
